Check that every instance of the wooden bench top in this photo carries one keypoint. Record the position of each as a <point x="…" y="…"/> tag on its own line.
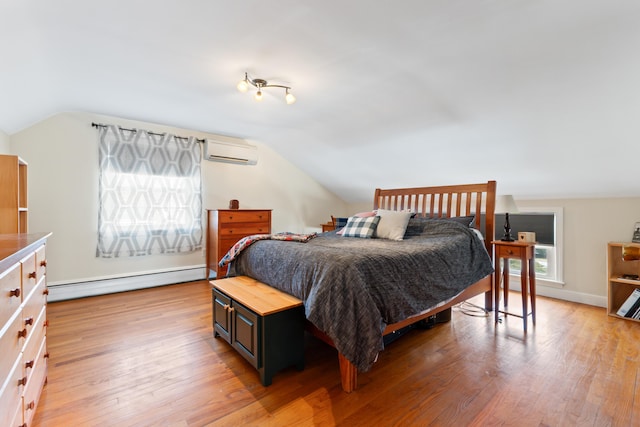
<point x="257" y="296"/>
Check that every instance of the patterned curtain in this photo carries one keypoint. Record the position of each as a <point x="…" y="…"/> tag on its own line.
<point x="150" y="193"/>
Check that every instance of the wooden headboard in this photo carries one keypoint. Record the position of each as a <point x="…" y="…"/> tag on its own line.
<point x="445" y="202"/>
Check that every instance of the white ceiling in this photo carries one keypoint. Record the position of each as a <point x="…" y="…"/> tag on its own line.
<point x="541" y="95"/>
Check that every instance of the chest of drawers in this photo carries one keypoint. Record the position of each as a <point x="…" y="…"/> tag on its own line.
<point x="226" y="226"/>
<point x="23" y="326"/>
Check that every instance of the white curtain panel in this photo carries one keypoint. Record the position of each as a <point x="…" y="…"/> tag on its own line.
<point x="150" y="193"/>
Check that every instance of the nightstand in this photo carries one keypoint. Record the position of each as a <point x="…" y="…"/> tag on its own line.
<point x="329" y="226"/>
<point x="525" y="252"/>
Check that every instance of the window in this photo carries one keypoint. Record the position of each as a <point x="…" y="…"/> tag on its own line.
<point x="150" y="193"/>
<point x="547" y="224"/>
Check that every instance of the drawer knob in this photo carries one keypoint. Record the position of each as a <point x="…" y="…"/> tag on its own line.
<point x="28" y="364"/>
<point x="43" y="263"/>
<point x="46" y="355"/>
<point x="22" y="381"/>
<point x="22" y="333"/>
<point x="45" y="323"/>
<point x="231" y="309"/>
<point x="509" y="251"/>
<point x="28" y="321"/>
<point x="15" y="292"/>
<point x="45" y="292"/>
<point x="32" y="275"/>
<point x="31" y="405"/>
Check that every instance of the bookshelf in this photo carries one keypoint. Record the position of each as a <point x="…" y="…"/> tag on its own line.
<point x="619" y="288"/>
<point x="13" y="195"/>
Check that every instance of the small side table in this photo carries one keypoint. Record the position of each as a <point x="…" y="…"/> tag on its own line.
<point x="329" y="226"/>
<point x="525" y="252"/>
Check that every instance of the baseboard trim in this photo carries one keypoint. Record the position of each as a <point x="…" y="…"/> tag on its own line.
<point x="61" y="291"/>
<point x="579" y="297"/>
<point x="563" y="294"/>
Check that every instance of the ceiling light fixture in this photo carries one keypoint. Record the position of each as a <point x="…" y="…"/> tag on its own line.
<point x="243" y="86"/>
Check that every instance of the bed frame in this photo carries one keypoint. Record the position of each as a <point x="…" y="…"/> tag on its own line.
<point x="433" y="202"/>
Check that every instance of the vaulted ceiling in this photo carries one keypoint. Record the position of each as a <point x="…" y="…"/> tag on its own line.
<point x="542" y="96"/>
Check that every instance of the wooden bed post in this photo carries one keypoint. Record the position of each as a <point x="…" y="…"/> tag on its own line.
<point x="489" y="229"/>
<point x="348" y="374"/>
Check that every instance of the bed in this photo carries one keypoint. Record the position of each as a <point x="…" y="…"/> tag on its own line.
<point x="357" y="290"/>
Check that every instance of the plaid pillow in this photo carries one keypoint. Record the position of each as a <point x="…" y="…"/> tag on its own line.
<point x="361" y="227"/>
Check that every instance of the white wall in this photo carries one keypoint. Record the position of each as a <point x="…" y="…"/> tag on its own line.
<point x="4" y="143"/>
<point x="62" y="154"/>
<point x="588" y="225"/>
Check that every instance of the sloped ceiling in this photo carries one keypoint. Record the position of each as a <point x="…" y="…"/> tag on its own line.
<point x="542" y="96"/>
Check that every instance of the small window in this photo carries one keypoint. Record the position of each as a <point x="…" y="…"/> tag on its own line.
<point x="547" y="224"/>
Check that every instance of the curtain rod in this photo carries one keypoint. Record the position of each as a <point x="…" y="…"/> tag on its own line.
<point x="100" y="125"/>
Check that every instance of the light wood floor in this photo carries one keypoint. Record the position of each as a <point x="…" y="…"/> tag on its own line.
<point x="148" y="358"/>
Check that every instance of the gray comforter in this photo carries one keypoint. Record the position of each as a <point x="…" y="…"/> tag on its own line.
<point x="352" y="287"/>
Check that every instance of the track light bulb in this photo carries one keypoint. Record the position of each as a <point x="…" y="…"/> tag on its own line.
<point x="258" y="95"/>
<point x="289" y="98"/>
<point x="243" y="85"/>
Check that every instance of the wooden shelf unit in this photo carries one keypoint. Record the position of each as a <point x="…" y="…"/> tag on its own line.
<point x="619" y="289"/>
<point x="13" y="195"/>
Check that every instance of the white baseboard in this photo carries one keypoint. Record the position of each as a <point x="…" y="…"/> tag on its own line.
<point x="563" y="294"/>
<point x="559" y="293"/>
<point x="60" y="291"/>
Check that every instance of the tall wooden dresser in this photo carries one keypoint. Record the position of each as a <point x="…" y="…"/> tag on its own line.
<point x="226" y="226"/>
<point x="23" y="326"/>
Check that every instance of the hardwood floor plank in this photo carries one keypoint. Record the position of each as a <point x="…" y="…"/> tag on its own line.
<point x="149" y="358"/>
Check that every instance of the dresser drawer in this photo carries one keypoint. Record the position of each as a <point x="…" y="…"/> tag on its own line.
<point x="29" y="275"/>
<point x="10" y="395"/>
<point x="243" y="229"/>
<point x="10" y="346"/>
<point x="504" y="251"/>
<point x="33" y="344"/>
<point x="10" y="293"/>
<point x="34" y="384"/>
<point x="33" y="305"/>
<point x="41" y="262"/>
<point x="225" y="217"/>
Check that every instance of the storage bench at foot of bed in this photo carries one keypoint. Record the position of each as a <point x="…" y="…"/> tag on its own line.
<point x="265" y="325"/>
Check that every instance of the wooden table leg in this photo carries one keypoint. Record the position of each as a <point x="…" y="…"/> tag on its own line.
<point x="505" y="283"/>
<point x="532" y="289"/>
<point x="524" y="276"/>
<point x="496" y="288"/>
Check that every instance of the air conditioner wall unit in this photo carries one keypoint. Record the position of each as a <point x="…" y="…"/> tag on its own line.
<point x="230" y="150"/>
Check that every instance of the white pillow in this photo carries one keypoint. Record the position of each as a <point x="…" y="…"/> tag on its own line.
<point x="392" y="224"/>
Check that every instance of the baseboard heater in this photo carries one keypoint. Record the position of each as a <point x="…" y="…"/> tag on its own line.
<point x="59" y="291"/>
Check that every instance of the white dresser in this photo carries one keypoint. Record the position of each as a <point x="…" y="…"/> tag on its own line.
<point x="23" y="326"/>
